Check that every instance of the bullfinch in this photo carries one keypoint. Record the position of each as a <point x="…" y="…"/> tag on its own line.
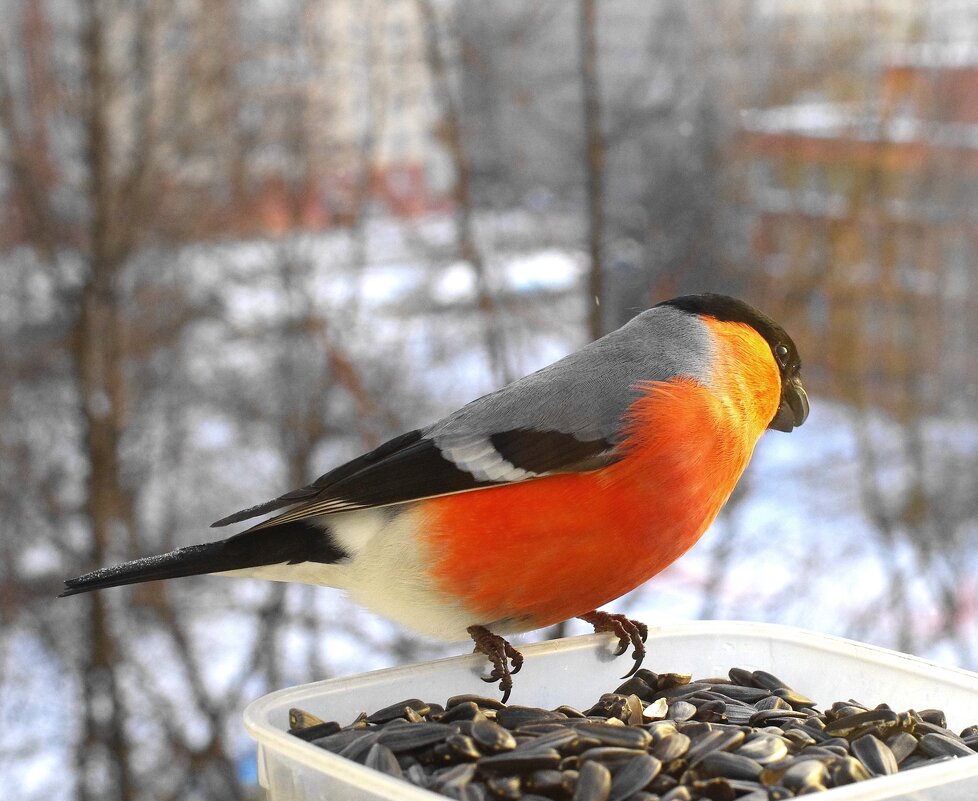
<point x="539" y="502"/>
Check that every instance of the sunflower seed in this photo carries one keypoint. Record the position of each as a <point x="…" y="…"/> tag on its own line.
<point x="934" y="716"/>
<point x="634" y="775"/>
<point x="713" y="790"/>
<point x="666" y="680"/>
<point x="565" y="741"/>
<point x="805" y="773"/>
<point x="610" y="755"/>
<point x="399" y="710"/>
<point x="637" y="686"/>
<point x="672" y="747"/>
<point x="463" y="747"/>
<point x="613" y="705"/>
<point x="316" y="731"/>
<point x="681" y="691"/>
<point x="417" y="775"/>
<point x="415" y="736"/>
<point x="733" y="766"/>
<point x="476" y="792"/>
<point x="772" y="702"/>
<point x="454" y="776"/>
<point x="919" y="760"/>
<point x="681" y="710"/>
<point x="938" y="745"/>
<point x="300" y="719"/>
<point x="381" y="758"/>
<point x="621" y="736"/>
<point x="741" y="677"/>
<point x="520" y="763"/>
<point x="491" y="738"/>
<point x="593" y="783"/>
<point x="548" y="782"/>
<point x="747" y="695"/>
<point x="793" y="698"/>
<point x="711" y="712"/>
<point x="761" y="678"/>
<point x="679" y="793"/>
<point x="657" y="710"/>
<point x="335" y="743"/>
<point x="767" y="717"/>
<point x="875" y="755"/>
<point x="741" y="786"/>
<point x="357" y="750"/>
<point x="466" y="710"/>
<point x="764" y="749"/>
<point x="715" y="740"/>
<point x="901" y="745"/>
<point x="846" y="771"/>
<point x="739" y="714"/>
<point x="480" y="701"/>
<point x="508" y="788"/>
<point x="848" y="724"/>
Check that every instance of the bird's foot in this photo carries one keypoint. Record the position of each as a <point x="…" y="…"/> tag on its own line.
<point x="628" y="632"/>
<point x="500" y="653"/>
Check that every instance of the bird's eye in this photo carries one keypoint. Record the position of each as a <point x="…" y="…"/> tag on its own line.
<point x="781" y="354"/>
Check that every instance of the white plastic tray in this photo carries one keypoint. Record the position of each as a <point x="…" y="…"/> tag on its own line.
<point x="577" y="670"/>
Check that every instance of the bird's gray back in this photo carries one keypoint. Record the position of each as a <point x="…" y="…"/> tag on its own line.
<point x="587" y="393"/>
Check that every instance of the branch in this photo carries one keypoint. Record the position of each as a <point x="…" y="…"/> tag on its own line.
<point x="451" y="132"/>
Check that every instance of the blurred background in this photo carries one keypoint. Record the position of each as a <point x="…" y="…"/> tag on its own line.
<point x="243" y="241"/>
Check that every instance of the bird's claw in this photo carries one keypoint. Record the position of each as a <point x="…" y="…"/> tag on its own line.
<point x="501" y="654"/>
<point x="637" y="664"/>
<point x="632" y="633"/>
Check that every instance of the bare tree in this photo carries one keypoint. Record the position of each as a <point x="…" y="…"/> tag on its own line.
<point x="594" y="160"/>
<point x="122" y="131"/>
<point x="876" y="252"/>
<point x="451" y="130"/>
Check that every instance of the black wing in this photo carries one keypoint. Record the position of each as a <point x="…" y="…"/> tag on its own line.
<point x="412" y="466"/>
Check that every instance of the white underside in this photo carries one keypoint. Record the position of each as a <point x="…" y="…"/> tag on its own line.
<point x="385" y="574"/>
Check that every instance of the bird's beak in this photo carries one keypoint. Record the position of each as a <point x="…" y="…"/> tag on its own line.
<point x="793" y="410"/>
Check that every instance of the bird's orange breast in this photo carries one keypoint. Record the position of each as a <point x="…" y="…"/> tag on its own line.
<point x="542" y="551"/>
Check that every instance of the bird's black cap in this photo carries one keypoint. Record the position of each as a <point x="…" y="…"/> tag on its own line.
<point x="731" y="310"/>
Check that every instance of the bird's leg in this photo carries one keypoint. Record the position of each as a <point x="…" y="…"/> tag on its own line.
<point x="500" y="653"/>
<point x="628" y="632"/>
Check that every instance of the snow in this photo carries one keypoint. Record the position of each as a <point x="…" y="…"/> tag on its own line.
<point x="455" y="284"/>
<point x="547" y="269"/>
<point x="936" y="55"/>
<point x="812" y="119"/>
<point x="31" y="724"/>
<point x="857" y="122"/>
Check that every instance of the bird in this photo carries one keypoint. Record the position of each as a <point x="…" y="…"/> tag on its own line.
<point x="537" y="503"/>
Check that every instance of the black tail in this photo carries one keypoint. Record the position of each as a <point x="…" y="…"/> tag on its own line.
<point x="290" y="543"/>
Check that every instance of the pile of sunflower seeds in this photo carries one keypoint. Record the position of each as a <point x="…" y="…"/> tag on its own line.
<point x="657" y="737"/>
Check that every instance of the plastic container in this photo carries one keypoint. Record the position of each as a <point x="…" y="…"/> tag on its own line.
<point x="577" y="670"/>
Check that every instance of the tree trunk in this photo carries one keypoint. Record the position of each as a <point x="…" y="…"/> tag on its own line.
<point x="594" y="159"/>
<point x="451" y="131"/>
<point x="102" y="753"/>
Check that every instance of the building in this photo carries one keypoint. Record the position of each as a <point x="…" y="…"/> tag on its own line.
<point x="864" y="234"/>
<point x="337" y="107"/>
<point x="240" y="118"/>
